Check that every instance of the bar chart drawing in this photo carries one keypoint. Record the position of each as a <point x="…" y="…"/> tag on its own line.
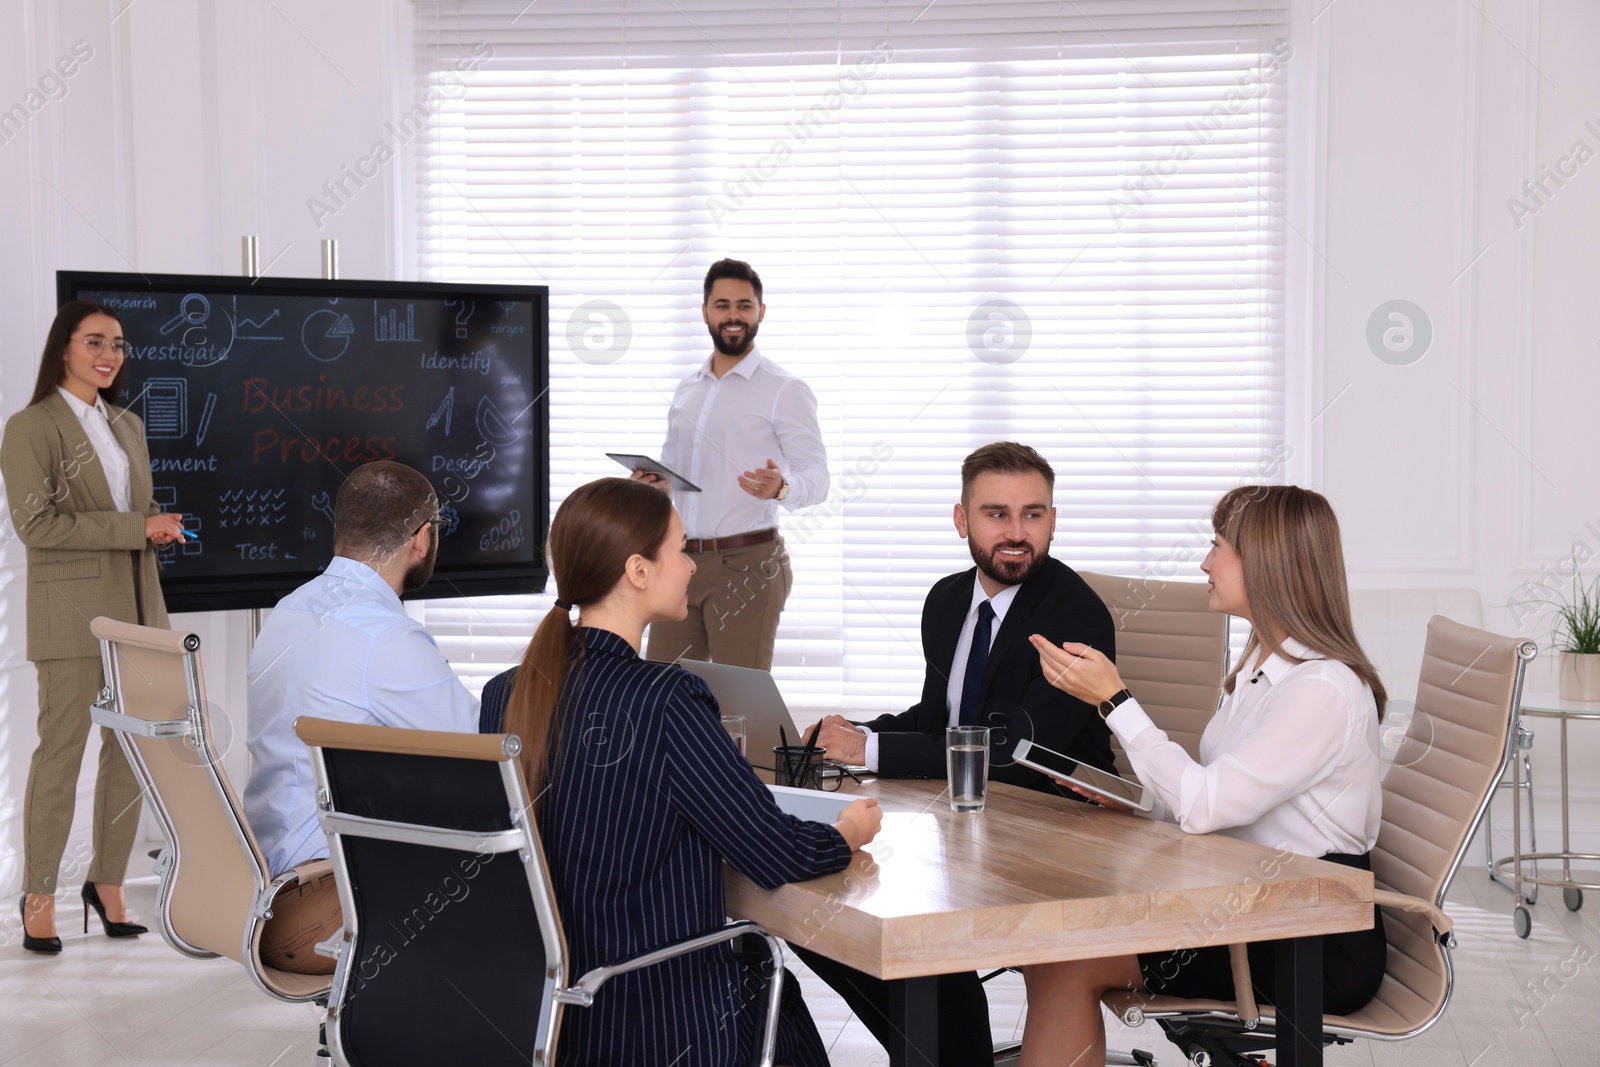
<point x="386" y="325"/>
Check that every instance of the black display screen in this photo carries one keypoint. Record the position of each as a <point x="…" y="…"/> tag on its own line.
<point x="259" y="397"/>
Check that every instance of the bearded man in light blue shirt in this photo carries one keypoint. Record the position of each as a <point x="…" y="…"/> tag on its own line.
<point x="342" y="647"/>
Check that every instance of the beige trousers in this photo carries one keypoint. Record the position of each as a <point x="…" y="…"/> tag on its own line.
<point x="735" y="599"/>
<point x="66" y="689"/>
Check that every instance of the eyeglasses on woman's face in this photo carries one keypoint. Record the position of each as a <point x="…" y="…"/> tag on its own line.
<point x="99" y="345"/>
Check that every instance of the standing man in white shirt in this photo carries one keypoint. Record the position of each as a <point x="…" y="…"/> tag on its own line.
<point x="342" y="647"/>
<point x="745" y="431"/>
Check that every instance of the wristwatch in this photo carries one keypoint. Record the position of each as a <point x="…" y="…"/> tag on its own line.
<point x="783" y="491"/>
<point x="1109" y="705"/>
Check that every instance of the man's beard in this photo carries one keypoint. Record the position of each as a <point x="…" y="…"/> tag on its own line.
<point x="422" y="570"/>
<point x="1006" y="571"/>
<point x="726" y="349"/>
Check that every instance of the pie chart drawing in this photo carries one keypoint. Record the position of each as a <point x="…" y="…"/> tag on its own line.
<point x="326" y="334"/>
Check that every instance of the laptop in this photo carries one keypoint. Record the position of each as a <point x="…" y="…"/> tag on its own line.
<point x="753" y="694"/>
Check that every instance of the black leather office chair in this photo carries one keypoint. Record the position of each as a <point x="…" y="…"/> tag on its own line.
<point x="452" y="948"/>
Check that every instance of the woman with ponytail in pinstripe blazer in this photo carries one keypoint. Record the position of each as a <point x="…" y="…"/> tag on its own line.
<point x="642" y="796"/>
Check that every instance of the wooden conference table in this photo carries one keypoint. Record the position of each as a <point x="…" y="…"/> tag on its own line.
<point x="1036" y="878"/>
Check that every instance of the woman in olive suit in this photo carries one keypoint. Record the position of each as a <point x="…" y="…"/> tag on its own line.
<point x="77" y="477"/>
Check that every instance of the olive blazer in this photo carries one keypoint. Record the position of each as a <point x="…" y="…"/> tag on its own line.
<point x="84" y="555"/>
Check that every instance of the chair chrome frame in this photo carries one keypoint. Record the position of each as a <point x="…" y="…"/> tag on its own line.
<point x="192" y="729"/>
<point x="106" y="712"/>
<point x="522" y="839"/>
<point x="1233" y="1022"/>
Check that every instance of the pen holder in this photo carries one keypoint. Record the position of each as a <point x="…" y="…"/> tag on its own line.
<point x="792" y="767"/>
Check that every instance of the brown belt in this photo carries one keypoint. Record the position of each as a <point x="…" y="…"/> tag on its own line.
<point x="744" y="540"/>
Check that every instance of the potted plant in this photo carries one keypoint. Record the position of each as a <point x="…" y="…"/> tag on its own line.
<point x="1577" y="634"/>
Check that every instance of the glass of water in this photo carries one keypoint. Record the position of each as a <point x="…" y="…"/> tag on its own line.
<point x="734" y="724"/>
<point x="967" y="760"/>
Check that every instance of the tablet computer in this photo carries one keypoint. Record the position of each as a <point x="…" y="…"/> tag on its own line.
<point x="811" y="804"/>
<point x="1048" y="761"/>
<point x="654" y="466"/>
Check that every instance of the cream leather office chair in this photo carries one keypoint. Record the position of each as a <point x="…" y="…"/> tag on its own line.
<point x="1457" y="747"/>
<point x="1392" y="625"/>
<point x="216" y="893"/>
<point x="1172" y="650"/>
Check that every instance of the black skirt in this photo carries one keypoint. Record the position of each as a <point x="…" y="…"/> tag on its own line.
<point x="1352" y="964"/>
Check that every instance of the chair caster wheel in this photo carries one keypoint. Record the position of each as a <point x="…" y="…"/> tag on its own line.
<point x="1572" y="897"/>
<point x="1522" y="922"/>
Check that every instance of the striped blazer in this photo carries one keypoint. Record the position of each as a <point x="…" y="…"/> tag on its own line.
<point x="648" y="798"/>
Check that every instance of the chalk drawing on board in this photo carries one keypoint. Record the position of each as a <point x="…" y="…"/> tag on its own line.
<point x="446" y="409"/>
<point x="257" y="326"/>
<point x="166" y="408"/>
<point x="253" y="507"/>
<point x="450" y="518"/>
<point x="194" y="309"/>
<point x="507" y="306"/>
<point x="493" y="425"/>
<point x="464" y="310"/>
<point x="205" y="419"/>
<point x="323" y="503"/>
<point x="326" y="335"/>
<point x="386" y="325"/>
<point x="166" y="496"/>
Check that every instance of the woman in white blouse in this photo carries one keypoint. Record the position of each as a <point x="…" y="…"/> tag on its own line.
<point x="77" y="476"/>
<point x="1290" y="760"/>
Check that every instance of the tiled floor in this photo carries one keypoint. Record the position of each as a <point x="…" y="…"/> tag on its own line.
<point x="137" y="1003"/>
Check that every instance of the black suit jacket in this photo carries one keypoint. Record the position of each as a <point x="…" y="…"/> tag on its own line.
<point x="1017" y="701"/>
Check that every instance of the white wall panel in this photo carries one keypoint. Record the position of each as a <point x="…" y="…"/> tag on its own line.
<point x="1394" y="194"/>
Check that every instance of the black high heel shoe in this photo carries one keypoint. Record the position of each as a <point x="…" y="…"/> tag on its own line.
<point x="91" y="899"/>
<point x="48" y="945"/>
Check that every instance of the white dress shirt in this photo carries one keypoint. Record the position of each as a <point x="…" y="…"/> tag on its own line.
<point x="1000" y="603"/>
<point x="718" y="428"/>
<point x="1290" y="760"/>
<point x="339" y="647"/>
<point x="113" y="460"/>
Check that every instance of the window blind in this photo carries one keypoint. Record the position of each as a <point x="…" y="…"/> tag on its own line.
<point x="1052" y="223"/>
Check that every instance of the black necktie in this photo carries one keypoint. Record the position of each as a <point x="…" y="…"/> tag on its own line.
<point x="977" y="659"/>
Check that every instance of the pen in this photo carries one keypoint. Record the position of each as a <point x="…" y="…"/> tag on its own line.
<point x="810" y="749"/>
<point x="788" y="764"/>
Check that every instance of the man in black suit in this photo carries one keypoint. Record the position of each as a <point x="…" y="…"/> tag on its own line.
<point x="1015" y="590"/>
